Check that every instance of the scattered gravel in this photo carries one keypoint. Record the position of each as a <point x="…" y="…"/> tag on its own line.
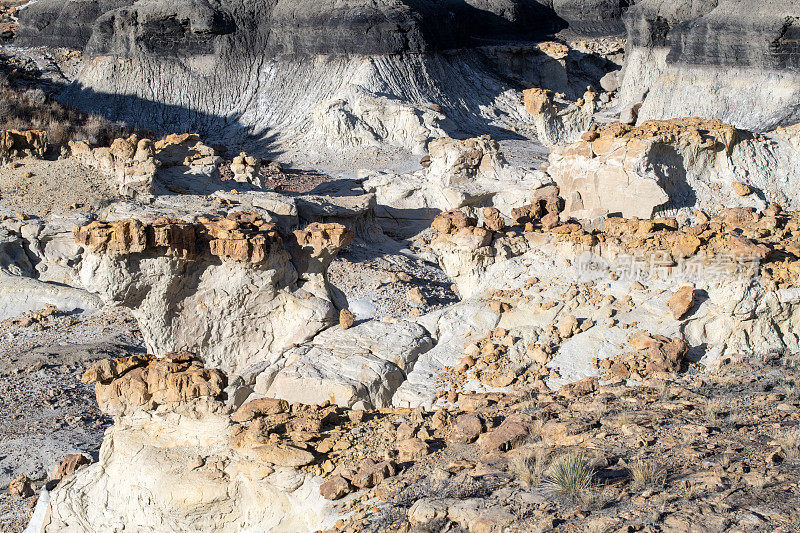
<point x="37" y="187"/>
<point x="45" y="411"/>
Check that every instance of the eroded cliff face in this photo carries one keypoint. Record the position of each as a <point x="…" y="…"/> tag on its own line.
<point x="719" y="59"/>
<point x="173" y="440"/>
<point x="225" y="288"/>
<point x="343" y="74"/>
<point x="664" y="166"/>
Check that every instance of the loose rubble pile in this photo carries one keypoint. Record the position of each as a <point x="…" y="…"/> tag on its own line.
<point x="485" y="464"/>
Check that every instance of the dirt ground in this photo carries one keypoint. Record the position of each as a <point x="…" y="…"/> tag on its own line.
<point x="36" y="187"/>
<point x="45" y="411"/>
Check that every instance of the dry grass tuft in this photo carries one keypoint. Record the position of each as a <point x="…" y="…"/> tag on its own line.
<point x="646" y="474"/>
<point x="571" y="476"/>
<point x="790" y="444"/>
<point x="530" y="469"/>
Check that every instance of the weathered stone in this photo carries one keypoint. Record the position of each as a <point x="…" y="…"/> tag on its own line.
<point x="412" y="448"/>
<point x="334" y="488"/>
<point x="284" y="455"/>
<point x="466" y="428"/>
<point x="346" y="319"/>
<point x="21" y="487"/>
<point x="260" y="407"/>
<point x="681" y="302"/>
<point x="69" y="465"/>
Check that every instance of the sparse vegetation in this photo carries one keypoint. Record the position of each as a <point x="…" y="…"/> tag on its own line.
<point x="530" y="469"/>
<point x="664" y="392"/>
<point x="713" y="410"/>
<point x="646" y="474"/>
<point x="570" y="475"/>
<point x="790" y="444"/>
<point x="25" y="108"/>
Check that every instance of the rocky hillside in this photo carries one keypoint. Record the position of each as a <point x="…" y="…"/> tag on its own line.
<point x="483" y="266"/>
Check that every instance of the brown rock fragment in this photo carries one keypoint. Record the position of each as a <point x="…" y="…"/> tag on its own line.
<point x="466" y="428"/>
<point x="21" y="487"/>
<point x="69" y="465"/>
<point x="681" y="302"/>
<point x="260" y="407"/>
<point x="346" y="319"/>
<point x="413" y="448"/>
<point x="334" y="488"/>
<point x="741" y="189"/>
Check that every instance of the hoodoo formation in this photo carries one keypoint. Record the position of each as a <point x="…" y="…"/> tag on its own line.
<point x="399" y="265"/>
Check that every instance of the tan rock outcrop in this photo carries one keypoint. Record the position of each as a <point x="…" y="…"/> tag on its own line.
<point x="243" y="237"/>
<point x="173" y="439"/>
<point x="246" y="169"/>
<point x="129" y="162"/>
<point x="557" y="121"/>
<point x="224" y="288"/>
<point x="141" y="168"/>
<point x="16" y="144"/>
<point x="176" y="378"/>
<point x="672" y="164"/>
<point x="315" y="246"/>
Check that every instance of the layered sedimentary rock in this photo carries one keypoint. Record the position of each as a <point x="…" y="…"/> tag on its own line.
<point x="457" y="173"/>
<point x="360" y="367"/>
<point x="549" y="307"/>
<point x="669" y="165"/>
<point x="38" y="262"/>
<point x="346" y="74"/>
<point x="225" y="288"/>
<point x="173" y="440"/>
<point x="59" y="24"/>
<point x="720" y="59"/>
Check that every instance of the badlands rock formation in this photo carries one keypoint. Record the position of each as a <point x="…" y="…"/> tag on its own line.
<point x="663" y="166"/>
<point x="300" y="73"/>
<point x="225" y="288"/>
<point x="472" y="172"/>
<point x="552" y="284"/>
<point x="558" y="122"/>
<point x="15" y="144"/>
<point x="171" y="408"/>
<point x="715" y="59"/>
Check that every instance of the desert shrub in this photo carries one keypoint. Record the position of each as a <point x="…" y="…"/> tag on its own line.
<point x="571" y="476"/>
<point x="529" y="469"/>
<point x="647" y="474"/>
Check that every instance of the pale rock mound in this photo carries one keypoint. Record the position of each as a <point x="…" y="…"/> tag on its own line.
<point x="682" y="163"/>
<point x="360" y="367"/>
<point x="557" y="121"/>
<point x="225" y="288"/>
<point x="471" y="172"/>
<point x="173" y="442"/>
<point x="38" y="265"/>
<point x="355" y="117"/>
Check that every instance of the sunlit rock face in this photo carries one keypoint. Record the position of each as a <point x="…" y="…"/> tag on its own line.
<point x="708" y="58"/>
